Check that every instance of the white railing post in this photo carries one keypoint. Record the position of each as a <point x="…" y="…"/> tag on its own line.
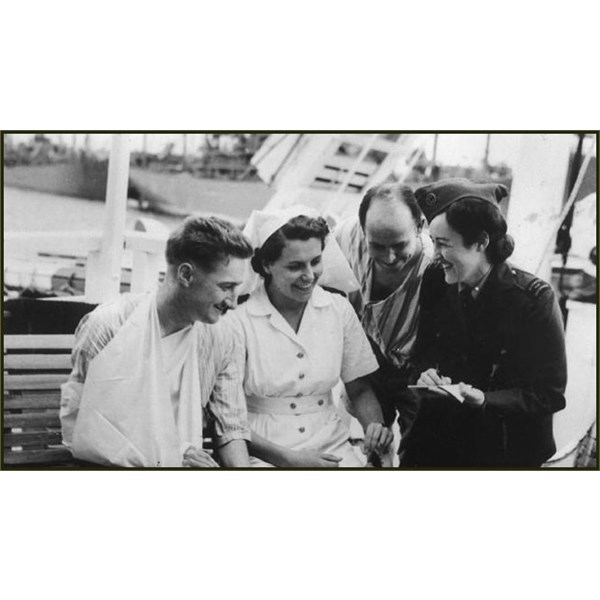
<point x="148" y="260"/>
<point x="103" y="273"/>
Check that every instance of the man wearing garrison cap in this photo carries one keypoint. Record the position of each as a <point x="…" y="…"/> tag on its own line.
<point x="490" y="329"/>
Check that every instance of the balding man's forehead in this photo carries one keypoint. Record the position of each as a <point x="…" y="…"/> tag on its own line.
<point x="389" y="212"/>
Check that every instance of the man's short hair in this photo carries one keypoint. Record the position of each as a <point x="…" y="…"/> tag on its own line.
<point x="206" y="242"/>
<point x="390" y="191"/>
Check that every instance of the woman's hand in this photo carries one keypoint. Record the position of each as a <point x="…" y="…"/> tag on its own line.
<point x="312" y="458"/>
<point x="377" y="439"/>
<point x="472" y="395"/>
<point x="198" y="458"/>
<point x="432" y="378"/>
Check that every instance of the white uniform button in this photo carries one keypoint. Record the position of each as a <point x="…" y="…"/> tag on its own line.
<point x="302" y="430"/>
<point x="300" y="355"/>
<point x="292" y="406"/>
<point x="320" y="403"/>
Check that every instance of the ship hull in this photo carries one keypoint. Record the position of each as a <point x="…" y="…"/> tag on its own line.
<point x="81" y="179"/>
<point x="178" y="194"/>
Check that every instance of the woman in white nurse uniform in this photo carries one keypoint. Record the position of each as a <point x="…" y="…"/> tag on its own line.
<point x="295" y="341"/>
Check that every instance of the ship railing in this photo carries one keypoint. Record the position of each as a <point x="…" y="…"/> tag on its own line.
<point x="143" y="253"/>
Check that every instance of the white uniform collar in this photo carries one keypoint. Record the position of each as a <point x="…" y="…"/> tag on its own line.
<point x="259" y="304"/>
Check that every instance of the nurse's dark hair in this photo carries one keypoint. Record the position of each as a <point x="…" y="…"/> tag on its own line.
<point x="473" y="219"/>
<point x="299" y="228"/>
<point x="206" y="242"/>
<point x="390" y="191"/>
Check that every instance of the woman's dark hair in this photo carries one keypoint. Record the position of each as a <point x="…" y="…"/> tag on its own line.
<point x="390" y="191"/>
<point x="206" y="241"/>
<point x="298" y="228"/>
<point x="472" y="219"/>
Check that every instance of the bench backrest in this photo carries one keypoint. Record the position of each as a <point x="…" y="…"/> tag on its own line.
<point x="35" y="366"/>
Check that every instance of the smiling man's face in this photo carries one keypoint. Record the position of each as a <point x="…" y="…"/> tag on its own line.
<point x="213" y="293"/>
<point x="391" y="233"/>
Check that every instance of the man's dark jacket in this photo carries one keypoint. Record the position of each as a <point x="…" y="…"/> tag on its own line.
<point x="510" y="344"/>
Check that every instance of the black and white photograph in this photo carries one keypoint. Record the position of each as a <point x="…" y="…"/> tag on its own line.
<point x="300" y="300"/>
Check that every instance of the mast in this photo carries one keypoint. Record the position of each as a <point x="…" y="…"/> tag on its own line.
<point x="145" y="150"/>
<point x="103" y="277"/>
<point x="184" y="160"/>
<point x="486" y="157"/>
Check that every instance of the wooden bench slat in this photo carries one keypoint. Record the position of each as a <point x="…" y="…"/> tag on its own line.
<point x="31" y="438"/>
<point x="34" y="382"/>
<point x="41" y="362"/>
<point x="37" y="342"/>
<point x="53" y="456"/>
<point x="30" y="420"/>
<point x="39" y="396"/>
<point x="43" y="400"/>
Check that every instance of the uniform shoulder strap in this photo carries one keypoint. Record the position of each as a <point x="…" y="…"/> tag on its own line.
<point x="530" y="283"/>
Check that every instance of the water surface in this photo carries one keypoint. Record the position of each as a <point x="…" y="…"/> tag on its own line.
<point x="26" y="210"/>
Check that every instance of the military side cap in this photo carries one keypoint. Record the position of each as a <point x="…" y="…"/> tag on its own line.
<point x="435" y="198"/>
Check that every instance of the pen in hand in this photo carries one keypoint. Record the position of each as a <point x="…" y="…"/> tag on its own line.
<point x="432" y="377"/>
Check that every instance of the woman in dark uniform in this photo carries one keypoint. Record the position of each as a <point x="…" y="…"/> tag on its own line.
<point x="493" y="330"/>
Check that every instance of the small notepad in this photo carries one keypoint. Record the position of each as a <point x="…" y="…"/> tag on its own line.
<point x="451" y="389"/>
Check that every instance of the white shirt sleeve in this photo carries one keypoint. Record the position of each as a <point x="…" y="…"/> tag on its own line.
<point x="90" y="338"/>
<point x="358" y="358"/>
<point x="94" y="332"/>
<point x="227" y="402"/>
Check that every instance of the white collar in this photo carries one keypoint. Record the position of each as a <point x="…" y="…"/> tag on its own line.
<point x="259" y="304"/>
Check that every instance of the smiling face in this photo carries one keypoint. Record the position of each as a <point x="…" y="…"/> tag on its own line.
<point x="391" y="233"/>
<point x="210" y="294"/>
<point x="294" y="275"/>
<point x="461" y="264"/>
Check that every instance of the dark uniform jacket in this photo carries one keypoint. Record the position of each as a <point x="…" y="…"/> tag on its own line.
<point x="510" y="344"/>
